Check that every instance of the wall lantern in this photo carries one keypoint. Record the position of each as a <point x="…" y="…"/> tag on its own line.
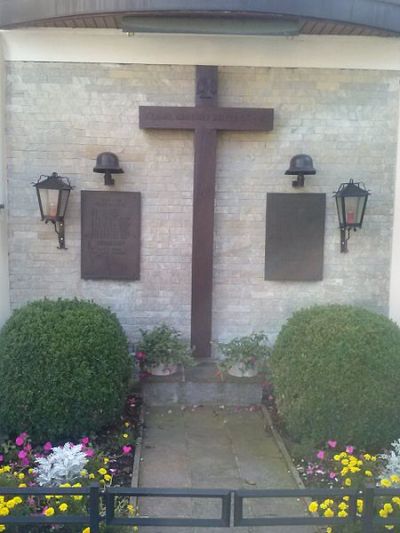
<point x="53" y="194"/>
<point x="300" y="165"/>
<point x="351" y="201"/>
<point x="107" y="163"/>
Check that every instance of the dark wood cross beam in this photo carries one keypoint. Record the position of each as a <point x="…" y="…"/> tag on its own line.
<point x="205" y="119"/>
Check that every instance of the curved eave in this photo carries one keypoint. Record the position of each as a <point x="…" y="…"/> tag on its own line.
<point x="364" y="17"/>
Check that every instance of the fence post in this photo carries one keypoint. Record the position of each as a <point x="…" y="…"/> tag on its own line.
<point x="368" y="511"/>
<point x="94" y="508"/>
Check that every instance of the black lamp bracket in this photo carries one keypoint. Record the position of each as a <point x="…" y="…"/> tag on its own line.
<point x="299" y="182"/>
<point x="60" y="230"/>
<point x="344" y="238"/>
<point x="108" y="179"/>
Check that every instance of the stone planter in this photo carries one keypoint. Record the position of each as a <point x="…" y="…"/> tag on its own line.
<point x="240" y="370"/>
<point x="162" y="369"/>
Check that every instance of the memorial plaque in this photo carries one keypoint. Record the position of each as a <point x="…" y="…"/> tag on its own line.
<point x="110" y="235"/>
<point x="295" y="237"/>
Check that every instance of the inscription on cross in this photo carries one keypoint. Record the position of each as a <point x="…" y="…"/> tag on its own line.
<point x="205" y="119"/>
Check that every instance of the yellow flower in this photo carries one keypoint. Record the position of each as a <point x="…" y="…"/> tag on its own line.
<point x="347" y="482"/>
<point x="368" y="473"/>
<point x="107" y="477"/>
<point x="342" y="514"/>
<point x="49" y="511"/>
<point x="125" y="435"/>
<point x="17" y="500"/>
<point x="395" y="479"/>
<point x="91" y="476"/>
<point x="63" y="507"/>
<point x="126" y="424"/>
<point x="102" y="471"/>
<point x="4" y="511"/>
<point x="86" y="530"/>
<point x="313" y="507"/>
<point x="65" y="486"/>
<point x="383" y="513"/>
<point x="329" y="513"/>
<point x="360" y="506"/>
<point x="106" y="460"/>
<point x="343" y="506"/>
<point x="336" y="457"/>
<point x="21" y="475"/>
<point x="386" y="483"/>
<point x="2" y="527"/>
<point x="77" y="485"/>
<point x="396" y="500"/>
<point x="367" y="457"/>
<point x="346" y="498"/>
<point x="22" y="486"/>
<point x="388" y="508"/>
<point x="328" y="530"/>
<point x="84" y="473"/>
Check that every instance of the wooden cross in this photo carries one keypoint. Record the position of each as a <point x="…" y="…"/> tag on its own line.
<point x="205" y="119"/>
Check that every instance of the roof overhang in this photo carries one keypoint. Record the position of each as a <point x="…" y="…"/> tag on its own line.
<point x="375" y="15"/>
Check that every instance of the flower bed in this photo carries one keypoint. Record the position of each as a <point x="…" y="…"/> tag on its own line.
<point x="105" y="458"/>
<point x="349" y="469"/>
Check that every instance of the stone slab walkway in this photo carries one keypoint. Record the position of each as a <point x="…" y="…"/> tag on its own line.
<point x="212" y="447"/>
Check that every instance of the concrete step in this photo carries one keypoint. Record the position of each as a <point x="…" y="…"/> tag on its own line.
<point x="202" y="385"/>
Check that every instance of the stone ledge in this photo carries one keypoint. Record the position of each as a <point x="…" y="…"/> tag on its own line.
<point x="202" y="385"/>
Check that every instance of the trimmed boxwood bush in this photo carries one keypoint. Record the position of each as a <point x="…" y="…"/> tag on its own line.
<point x="64" y="368"/>
<point x="336" y="373"/>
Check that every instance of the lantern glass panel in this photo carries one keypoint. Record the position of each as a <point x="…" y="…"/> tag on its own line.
<point x="49" y="200"/>
<point x="340" y="209"/>
<point x="64" y="195"/>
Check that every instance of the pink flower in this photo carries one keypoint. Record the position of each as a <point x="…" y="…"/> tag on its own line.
<point x="22" y="454"/>
<point x="19" y="441"/>
<point x="332" y="475"/>
<point x="28" y="447"/>
<point x="126" y="449"/>
<point x="321" y="454"/>
<point x="47" y="446"/>
<point x="332" y="443"/>
<point x="89" y="452"/>
<point x="25" y="461"/>
<point x="1" y="458"/>
<point x="85" y="441"/>
<point x="349" y="449"/>
<point x="140" y="356"/>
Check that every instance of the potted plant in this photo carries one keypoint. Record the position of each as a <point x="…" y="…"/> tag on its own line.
<point x="244" y="356"/>
<point x="161" y="350"/>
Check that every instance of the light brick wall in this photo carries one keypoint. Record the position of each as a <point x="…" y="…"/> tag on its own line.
<point x="60" y="116"/>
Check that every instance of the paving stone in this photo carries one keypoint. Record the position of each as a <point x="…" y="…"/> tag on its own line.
<point x="209" y="447"/>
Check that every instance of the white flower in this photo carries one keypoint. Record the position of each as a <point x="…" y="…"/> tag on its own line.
<point x="63" y="465"/>
<point x="392" y="460"/>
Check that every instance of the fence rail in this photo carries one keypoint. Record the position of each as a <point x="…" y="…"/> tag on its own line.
<point x="101" y="507"/>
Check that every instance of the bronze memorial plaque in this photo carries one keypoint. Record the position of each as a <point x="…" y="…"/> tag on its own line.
<point x="110" y="235"/>
<point x="295" y="237"/>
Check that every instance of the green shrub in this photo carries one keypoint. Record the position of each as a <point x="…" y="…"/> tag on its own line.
<point x="163" y="345"/>
<point x="336" y="373"/>
<point x="64" y="368"/>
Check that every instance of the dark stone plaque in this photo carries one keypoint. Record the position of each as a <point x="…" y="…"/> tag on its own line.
<point x="110" y="235"/>
<point x="295" y="237"/>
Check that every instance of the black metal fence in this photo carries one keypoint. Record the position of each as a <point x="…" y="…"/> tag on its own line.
<point x="101" y="506"/>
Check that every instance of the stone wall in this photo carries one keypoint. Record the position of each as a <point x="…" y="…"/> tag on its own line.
<point x="60" y="116"/>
